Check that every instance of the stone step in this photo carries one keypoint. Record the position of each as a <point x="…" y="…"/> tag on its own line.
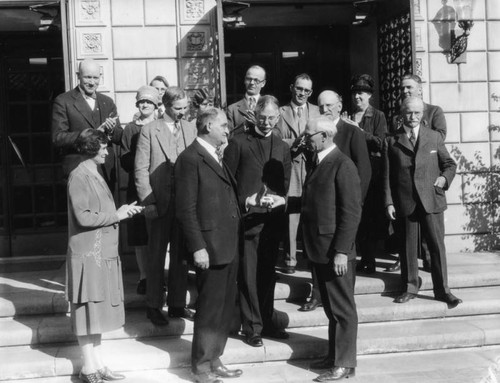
<point x="442" y="366"/>
<point x="23" y="362"/>
<point x="42" y="292"/>
<point x="40" y="329"/>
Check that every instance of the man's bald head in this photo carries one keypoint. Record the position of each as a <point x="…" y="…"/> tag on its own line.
<point x="89" y="75"/>
<point x="330" y="104"/>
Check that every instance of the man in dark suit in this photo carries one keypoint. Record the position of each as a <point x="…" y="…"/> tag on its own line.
<point x="411" y="86"/>
<point x="351" y="141"/>
<point x="331" y="211"/>
<point x="160" y="143"/>
<point x="237" y="113"/>
<point x="207" y="209"/>
<point x="81" y="108"/>
<point x="260" y="162"/>
<point x="291" y="126"/>
<point x="417" y="171"/>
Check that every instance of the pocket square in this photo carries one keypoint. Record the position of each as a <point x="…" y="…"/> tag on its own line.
<point x="433" y="151"/>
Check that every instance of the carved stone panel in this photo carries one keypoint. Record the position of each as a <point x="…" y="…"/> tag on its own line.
<point x="93" y="43"/>
<point x="195" y="11"/>
<point x="197" y="72"/>
<point x="91" y="12"/>
<point x="196" y="41"/>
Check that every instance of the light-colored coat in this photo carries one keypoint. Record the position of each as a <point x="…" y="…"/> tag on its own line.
<point x="154" y="162"/>
<point x="93" y="236"/>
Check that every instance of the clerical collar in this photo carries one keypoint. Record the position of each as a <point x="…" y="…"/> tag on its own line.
<point x="261" y="133"/>
<point x="85" y="95"/>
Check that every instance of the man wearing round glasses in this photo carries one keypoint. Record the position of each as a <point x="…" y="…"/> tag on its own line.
<point x="237" y="113"/>
<point x="260" y="162"/>
<point x="291" y="126"/>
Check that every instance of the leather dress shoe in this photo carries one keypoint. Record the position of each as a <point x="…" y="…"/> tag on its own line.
<point x="449" y="299"/>
<point x="336" y="373"/>
<point x="180" y="312"/>
<point x="312" y="305"/>
<point x="254" y="340"/>
<point x="206" y="377"/>
<point x="288" y="270"/>
<point x="394" y="267"/>
<point x="405" y="297"/>
<point x="323" y="364"/>
<point x="90" y="378"/>
<point x="225" y="372"/>
<point x="156" y="317"/>
<point x="107" y="374"/>
<point x="275" y="333"/>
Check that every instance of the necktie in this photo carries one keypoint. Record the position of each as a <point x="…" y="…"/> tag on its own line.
<point x="177" y="130"/>
<point x="220" y="154"/>
<point x="413" y="139"/>
<point x="251" y="103"/>
<point x="299" y="112"/>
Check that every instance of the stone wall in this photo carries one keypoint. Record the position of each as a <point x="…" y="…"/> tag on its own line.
<point x="467" y="93"/>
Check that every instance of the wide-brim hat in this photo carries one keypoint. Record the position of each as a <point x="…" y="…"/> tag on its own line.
<point x="148" y="93"/>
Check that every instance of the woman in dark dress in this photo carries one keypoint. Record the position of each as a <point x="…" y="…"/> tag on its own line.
<point x="94" y="286"/>
<point x="374" y="126"/>
<point x="137" y="236"/>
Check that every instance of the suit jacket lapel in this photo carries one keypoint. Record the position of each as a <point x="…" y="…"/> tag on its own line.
<point x="84" y="108"/>
<point x="210" y="161"/>
<point x="162" y="135"/>
<point x="289" y="118"/>
<point x="314" y="173"/>
<point x="403" y="140"/>
<point x="423" y="139"/>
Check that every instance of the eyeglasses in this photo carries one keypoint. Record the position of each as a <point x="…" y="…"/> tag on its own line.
<point x="264" y="119"/>
<point x="254" y="80"/>
<point x="307" y="92"/>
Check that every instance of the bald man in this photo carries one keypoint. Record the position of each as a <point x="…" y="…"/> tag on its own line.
<point x="81" y="108"/>
<point x="255" y="80"/>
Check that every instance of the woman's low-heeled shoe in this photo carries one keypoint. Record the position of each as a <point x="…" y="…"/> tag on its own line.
<point x="94" y="377"/>
<point x="106" y="374"/>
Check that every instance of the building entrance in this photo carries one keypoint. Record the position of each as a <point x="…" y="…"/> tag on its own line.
<point x="33" y="219"/>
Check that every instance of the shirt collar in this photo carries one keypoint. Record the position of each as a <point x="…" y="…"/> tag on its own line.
<point x="325" y="152"/>
<point x="261" y="133"/>
<point x="408" y="131"/>
<point x="255" y="96"/>
<point x="295" y="106"/>
<point x="210" y="148"/>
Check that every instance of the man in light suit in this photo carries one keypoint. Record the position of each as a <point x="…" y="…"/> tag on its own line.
<point x="331" y="211"/>
<point x="260" y="162"/>
<point x="237" y="113"/>
<point x="291" y="126"/>
<point x="411" y="86"/>
<point x="417" y="171"/>
<point x="81" y="108"/>
<point x="208" y="211"/>
<point x="160" y="143"/>
<point x="351" y="141"/>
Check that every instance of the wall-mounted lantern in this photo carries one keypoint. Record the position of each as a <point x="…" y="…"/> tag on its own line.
<point x="463" y="12"/>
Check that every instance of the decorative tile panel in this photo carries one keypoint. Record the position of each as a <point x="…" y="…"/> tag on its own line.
<point x="492" y="10"/>
<point x="195" y="11"/>
<point x="493" y="30"/>
<point x="196" y="41"/>
<point x="93" y="43"/>
<point x="91" y="12"/>
<point x="452" y="97"/>
<point x="440" y="70"/>
<point x="476" y="68"/>
<point x="197" y="72"/>
<point x="475" y="127"/>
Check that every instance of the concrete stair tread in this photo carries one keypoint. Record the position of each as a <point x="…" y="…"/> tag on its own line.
<point x="304" y="343"/>
<point x="449" y="366"/>
<point x="43" y="292"/>
<point x="37" y="329"/>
